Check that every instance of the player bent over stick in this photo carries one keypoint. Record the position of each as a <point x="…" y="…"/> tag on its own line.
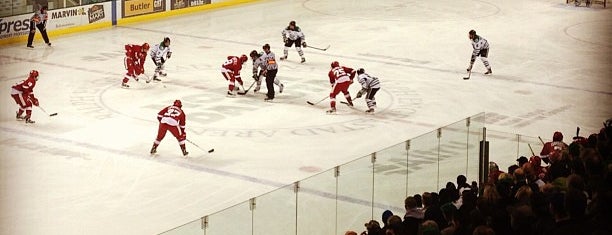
<point x="23" y="94"/>
<point x="369" y="85"/>
<point x="481" y="48"/>
<point x="160" y="54"/>
<point x="172" y="119"/>
<point x="134" y="62"/>
<point x="231" y="72"/>
<point x="340" y="78"/>
<point x="292" y="34"/>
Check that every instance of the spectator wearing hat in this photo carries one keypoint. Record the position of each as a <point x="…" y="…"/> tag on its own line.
<point x="522" y="160"/>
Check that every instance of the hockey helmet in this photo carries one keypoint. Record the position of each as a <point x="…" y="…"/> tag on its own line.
<point x="335" y="64"/>
<point x="145" y="46"/>
<point x="360" y="71"/>
<point x="34" y="74"/>
<point x="472" y="34"/>
<point x="243" y="58"/>
<point x="266" y="46"/>
<point x="178" y="103"/>
<point x="166" y="40"/>
<point x="292" y="23"/>
<point x="254" y="54"/>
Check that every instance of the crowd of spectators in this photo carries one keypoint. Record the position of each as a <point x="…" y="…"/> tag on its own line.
<point x="566" y="189"/>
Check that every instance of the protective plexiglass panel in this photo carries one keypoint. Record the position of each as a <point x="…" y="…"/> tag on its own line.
<point x="316" y="204"/>
<point x="275" y="212"/>
<point x="191" y="228"/>
<point x="453" y="152"/>
<point x="390" y="180"/>
<point x="475" y="130"/>
<point x="423" y="174"/>
<point x="354" y="194"/>
<point x="234" y="220"/>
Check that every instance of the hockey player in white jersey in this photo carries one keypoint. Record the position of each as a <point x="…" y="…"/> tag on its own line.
<point x="293" y="35"/>
<point x="259" y="70"/>
<point x="159" y="54"/>
<point x="481" y="48"/>
<point x="369" y="85"/>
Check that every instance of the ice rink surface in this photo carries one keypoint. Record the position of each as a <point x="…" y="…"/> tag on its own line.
<point x="88" y="170"/>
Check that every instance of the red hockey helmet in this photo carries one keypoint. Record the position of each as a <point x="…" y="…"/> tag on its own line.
<point x="243" y="58"/>
<point x="34" y="74"/>
<point x="335" y="64"/>
<point x="178" y="103"/>
<point x="145" y="46"/>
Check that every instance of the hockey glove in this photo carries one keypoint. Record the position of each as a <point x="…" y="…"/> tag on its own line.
<point x="255" y="77"/>
<point x="470" y="67"/>
<point x="285" y="40"/>
<point x="360" y="93"/>
<point x="34" y="101"/>
<point x="168" y="55"/>
<point x="304" y="44"/>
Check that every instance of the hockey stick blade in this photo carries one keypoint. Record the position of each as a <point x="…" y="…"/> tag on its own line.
<point x="310" y="103"/>
<point x="211" y="150"/>
<point x="469" y="75"/>
<point x="53" y="114"/>
<point x="320" y="49"/>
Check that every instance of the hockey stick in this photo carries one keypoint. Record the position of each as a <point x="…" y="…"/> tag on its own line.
<point x="147" y="78"/>
<point x="541" y="140"/>
<point x="320" y="49"/>
<point x="194" y="144"/>
<point x="247" y="90"/>
<point x="532" y="153"/>
<point x="311" y="103"/>
<point x="469" y="74"/>
<point x="577" y="133"/>
<point x="50" y="115"/>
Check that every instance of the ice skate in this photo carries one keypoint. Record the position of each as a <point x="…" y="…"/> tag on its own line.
<point x="283" y="57"/>
<point x="185" y="153"/>
<point x="303" y="60"/>
<point x="153" y="150"/>
<point x="48" y="44"/>
<point x="156" y="79"/>
<point x="30" y="46"/>
<point x="488" y="72"/>
<point x="28" y="120"/>
<point x="257" y="89"/>
<point x="125" y="85"/>
<point x="162" y="73"/>
<point x="231" y="94"/>
<point x="331" y="111"/>
<point x="370" y="111"/>
<point x="281" y="87"/>
<point x="19" y="117"/>
<point x="267" y="99"/>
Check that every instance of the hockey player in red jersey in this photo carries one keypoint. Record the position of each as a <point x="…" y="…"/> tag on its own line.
<point x="231" y="72"/>
<point x="340" y="78"/>
<point x="23" y="94"/>
<point x="172" y="119"/>
<point x="135" y="56"/>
